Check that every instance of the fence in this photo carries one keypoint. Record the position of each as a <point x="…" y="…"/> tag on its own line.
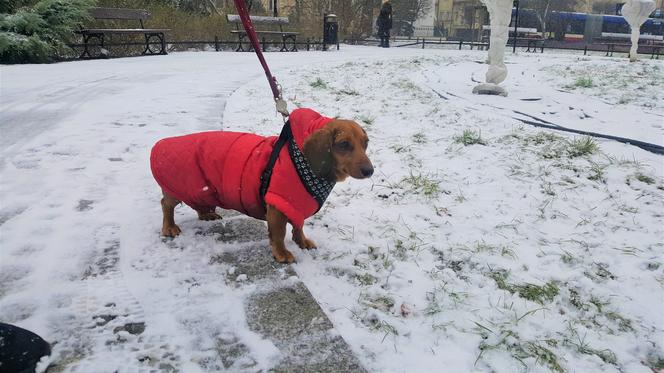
<point x="530" y="45"/>
<point x="608" y="48"/>
<point x="128" y="48"/>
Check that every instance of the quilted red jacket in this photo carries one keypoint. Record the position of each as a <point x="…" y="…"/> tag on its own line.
<point x="220" y="168"/>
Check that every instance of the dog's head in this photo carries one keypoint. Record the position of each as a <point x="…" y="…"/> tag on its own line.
<point x="338" y="150"/>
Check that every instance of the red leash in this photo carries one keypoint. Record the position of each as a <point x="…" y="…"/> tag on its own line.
<point x="242" y="10"/>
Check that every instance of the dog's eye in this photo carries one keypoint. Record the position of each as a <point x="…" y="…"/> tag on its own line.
<point x="344" y="145"/>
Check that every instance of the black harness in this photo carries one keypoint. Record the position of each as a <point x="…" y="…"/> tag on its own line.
<point x="319" y="188"/>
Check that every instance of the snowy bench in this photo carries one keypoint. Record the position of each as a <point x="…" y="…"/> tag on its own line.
<point x="139" y="15"/>
<point x="534" y="44"/>
<point x="286" y="36"/>
<point x="647" y="43"/>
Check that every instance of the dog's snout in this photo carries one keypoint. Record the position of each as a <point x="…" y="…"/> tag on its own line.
<point x="367" y="171"/>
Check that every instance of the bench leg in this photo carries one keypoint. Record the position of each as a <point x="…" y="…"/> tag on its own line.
<point x="293" y="39"/>
<point x="86" y="39"/>
<point x="86" y="42"/>
<point x="283" y="44"/>
<point x="147" y="44"/>
<point x="162" y="43"/>
<point x="239" y="44"/>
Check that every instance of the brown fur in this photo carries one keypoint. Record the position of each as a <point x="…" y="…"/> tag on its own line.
<point x="336" y="151"/>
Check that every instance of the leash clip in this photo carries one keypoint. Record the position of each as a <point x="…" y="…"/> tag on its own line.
<point x="282" y="106"/>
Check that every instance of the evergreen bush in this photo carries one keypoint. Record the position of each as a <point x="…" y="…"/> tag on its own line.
<point x="41" y="33"/>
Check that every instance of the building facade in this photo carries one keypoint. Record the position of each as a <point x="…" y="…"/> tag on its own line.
<point x="460" y="19"/>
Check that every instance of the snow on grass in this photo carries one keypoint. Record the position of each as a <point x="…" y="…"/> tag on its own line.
<point x="618" y="82"/>
<point x="480" y="243"/>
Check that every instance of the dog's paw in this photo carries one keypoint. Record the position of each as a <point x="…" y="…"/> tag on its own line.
<point x="208" y="216"/>
<point x="284" y="256"/>
<point x="171" y="230"/>
<point x="307" y="244"/>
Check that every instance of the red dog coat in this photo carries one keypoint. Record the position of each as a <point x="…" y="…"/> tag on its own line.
<point x="223" y="169"/>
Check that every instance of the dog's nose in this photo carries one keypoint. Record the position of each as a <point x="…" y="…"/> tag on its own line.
<point x="367" y="171"/>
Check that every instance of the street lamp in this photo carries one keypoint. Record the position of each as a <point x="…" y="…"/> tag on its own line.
<point x="516" y="24"/>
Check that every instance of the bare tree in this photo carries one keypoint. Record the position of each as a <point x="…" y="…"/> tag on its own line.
<point x="604" y="7"/>
<point x="406" y="12"/>
<point x="543" y="8"/>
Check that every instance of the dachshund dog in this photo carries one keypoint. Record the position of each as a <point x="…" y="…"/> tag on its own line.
<point x="333" y="148"/>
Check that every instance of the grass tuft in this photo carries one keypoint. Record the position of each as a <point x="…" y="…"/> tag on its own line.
<point x="644" y="178"/>
<point x="318" y="83"/>
<point x="419" y="138"/>
<point x="582" y="147"/>
<point x="583" y="82"/>
<point x="423" y="184"/>
<point x="535" y="293"/>
<point x="469" y="137"/>
<point x="380" y="302"/>
<point x="365" y="279"/>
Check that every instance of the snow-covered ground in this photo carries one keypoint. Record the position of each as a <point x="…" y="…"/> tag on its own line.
<point x="480" y="244"/>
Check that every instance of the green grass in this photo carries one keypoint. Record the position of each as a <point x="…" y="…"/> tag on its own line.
<point x="536" y="293"/>
<point x="469" y="137"/>
<point x="541" y="294"/>
<point x="379" y="302"/>
<point x="541" y="138"/>
<point x="644" y="178"/>
<point x="583" y="82"/>
<point x="624" y="324"/>
<point x="597" y="172"/>
<point x="510" y="341"/>
<point x="318" y="83"/>
<point x="583" y="347"/>
<point x="365" y="279"/>
<point x="553" y="146"/>
<point x="580" y="147"/>
<point x="541" y="354"/>
<point x="656" y="363"/>
<point x="423" y="184"/>
<point x="419" y="138"/>
<point x="348" y="92"/>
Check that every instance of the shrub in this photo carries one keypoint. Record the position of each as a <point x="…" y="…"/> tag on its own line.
<point x="16" y="48"/>
<point x="41" y="34"/>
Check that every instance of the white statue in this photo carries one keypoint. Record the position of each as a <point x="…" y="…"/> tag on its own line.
<point x="500" y="14"/>
<point x="636" y="12"/>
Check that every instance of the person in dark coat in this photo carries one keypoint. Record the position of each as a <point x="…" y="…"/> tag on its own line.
<point x="384" y="23"/>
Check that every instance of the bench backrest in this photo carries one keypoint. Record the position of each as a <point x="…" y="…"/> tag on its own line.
<point x="117" y="13"/>
<point x="234" y="18"/>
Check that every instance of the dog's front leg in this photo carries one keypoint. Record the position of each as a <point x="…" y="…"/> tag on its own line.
<point x="301" y="240"/>
<point x="276" y="226"/>
<point x="169" y="228"/>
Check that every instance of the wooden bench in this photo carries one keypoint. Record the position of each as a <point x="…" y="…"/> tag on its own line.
<point x="139" y="15"/>
<point x="611" y="47"/>
<point x="286" y="36"/>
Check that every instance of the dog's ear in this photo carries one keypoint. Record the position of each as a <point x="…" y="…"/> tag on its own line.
<point x="318" y="151"/>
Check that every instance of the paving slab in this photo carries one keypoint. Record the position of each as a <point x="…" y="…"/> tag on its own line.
<point x="281" y="309"/>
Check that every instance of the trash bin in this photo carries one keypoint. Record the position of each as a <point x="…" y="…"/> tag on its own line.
<point x="330" y="30"/>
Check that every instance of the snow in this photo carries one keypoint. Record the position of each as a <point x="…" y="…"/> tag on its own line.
<point x="431" y="263"/>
